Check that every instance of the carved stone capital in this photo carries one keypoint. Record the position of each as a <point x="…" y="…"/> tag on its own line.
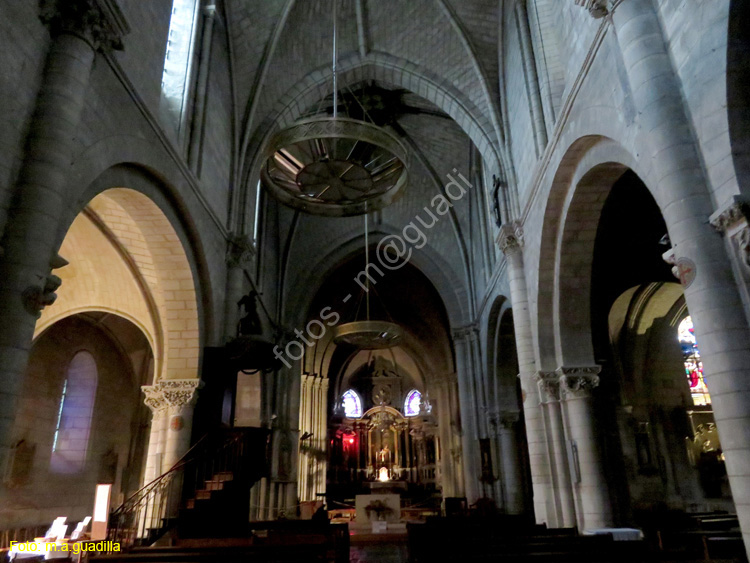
<point x="154" y="398"/>
<point x="465" y="332"/>
<point x="743" y="245"/>
<point x="98" y="22"/>
<point x="578" y="382"/>
<point x="180" y="392"/>
<point x="510" y="239"/>
<point x="733" y="213"/>
<point x="597" y="8"/>
<point x="732" y="220"/>
<point x="549" y="386"/>
<point x="171" y="393"/>
<point x="507" y="420"/>
<point x="240" y="251"/>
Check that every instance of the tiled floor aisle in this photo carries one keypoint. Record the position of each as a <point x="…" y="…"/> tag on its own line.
<point x="378" y="553"/>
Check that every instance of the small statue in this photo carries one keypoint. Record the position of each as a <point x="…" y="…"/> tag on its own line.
<point x="497" y="185"/>
<point x="249" y="324"/>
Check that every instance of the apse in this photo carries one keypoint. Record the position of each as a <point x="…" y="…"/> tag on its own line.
<point x="377" y="421"/>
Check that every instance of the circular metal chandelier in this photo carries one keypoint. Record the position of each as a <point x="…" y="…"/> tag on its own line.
<point x="368" y="335"/>
<point x="335" y="166"/>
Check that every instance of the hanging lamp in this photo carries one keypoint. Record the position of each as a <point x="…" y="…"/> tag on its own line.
<point x="335" y="166"/>
<point x="368" y="334"/>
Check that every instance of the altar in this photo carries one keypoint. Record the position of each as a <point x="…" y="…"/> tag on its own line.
<point x="381" y="507"/>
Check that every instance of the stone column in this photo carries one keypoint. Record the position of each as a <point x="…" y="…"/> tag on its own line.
<point x="590" y="485"/>
<point x="175" y="400"/>
<point x="510" y="242"/>
<point x="303" y="462"/>
<point x="154" y="460"/>
<point x="444" y="428"/>
<point x="549" y="397"/>
<point x="195" y="148"/>
<point x="671" y="152"/>
<point x="78" y="28"/>
<point x="510" y="463"/>
<point x="462" y="339"/>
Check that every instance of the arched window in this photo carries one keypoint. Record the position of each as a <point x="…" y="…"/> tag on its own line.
<point x="74" y="415"/>
<point x="693" y="364"/>
<point x="177" y="61"/>
<point x="413" y="403"/>
<point x="352" y="404"/>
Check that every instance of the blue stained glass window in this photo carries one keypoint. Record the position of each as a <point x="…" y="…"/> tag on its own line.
<point x="413" y="403"/>
<point x="352" y="404"/>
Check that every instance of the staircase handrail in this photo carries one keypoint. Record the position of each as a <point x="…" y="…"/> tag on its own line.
<point x="149" y="510"/>
<point x="180" y="463"/>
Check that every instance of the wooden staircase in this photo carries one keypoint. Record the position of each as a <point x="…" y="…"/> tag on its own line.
<point x="205" y="494"/>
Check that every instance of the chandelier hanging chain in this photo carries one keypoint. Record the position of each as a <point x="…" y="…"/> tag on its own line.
<point x="335" y="81"/>
<point x="367" y="265"/>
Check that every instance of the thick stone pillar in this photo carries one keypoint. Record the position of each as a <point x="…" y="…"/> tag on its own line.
<point x="510" y="463"/>
<point x="172" y="401"/>
<point x="447" y="481"/>
<point x="549" y="397"/>
<point x="463" y="340"/>
<point x="701" y="260"/>
<point x="510" y="242"/>
<point x="155" y="457"/>
<point x="78" y="28"/>
<point x="589" y="483"/>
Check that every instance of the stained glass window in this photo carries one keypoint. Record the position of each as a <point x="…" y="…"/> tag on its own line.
<point x="693" y="364"/>
<point x="352" y="404"/>
<point x="74" y="415"/>
<point x="413" y="403"/>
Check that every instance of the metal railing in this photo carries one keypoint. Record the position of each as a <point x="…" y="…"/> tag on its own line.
<point x="151" y="511"/>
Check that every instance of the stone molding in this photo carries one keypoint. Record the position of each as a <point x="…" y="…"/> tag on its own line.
<point x="98" y="22"/>
<point x="510" y="239"/>
<point x="578" y="382"/>
<point x="171" y="393"/>
<point x="240" y="251"/>
<point x="549" y="386"/>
